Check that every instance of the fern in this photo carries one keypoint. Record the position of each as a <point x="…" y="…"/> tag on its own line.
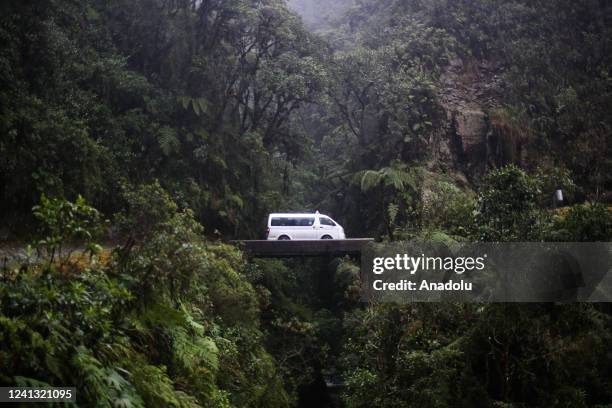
<point x="396" y="176"/>
<point x="161" y="315"/>
<point x="168" y="140"/>
<point x="392" y="211"/>
<point x="399" y="178"/>
<point x="157" y="389"/>
<point x="30" y="382"/>
<point x="193" y="351"/>
<point x="370" y="179"/>
<point x="234" y="199"/>
<point x="197" y="105"/>
<point x="92" y="377"/>
<point x="103" y="384"/>
<point x="122" y="392"/>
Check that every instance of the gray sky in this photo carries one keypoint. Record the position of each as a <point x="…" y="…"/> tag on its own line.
<point x="317" y="13"/>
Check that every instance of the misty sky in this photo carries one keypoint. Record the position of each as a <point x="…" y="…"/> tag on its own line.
<point x="316" y="13"/>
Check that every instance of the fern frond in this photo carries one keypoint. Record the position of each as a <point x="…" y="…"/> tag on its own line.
<point x="195" y="350"/>
<point x="168" y="140"/>
<point x="370" y="179"/>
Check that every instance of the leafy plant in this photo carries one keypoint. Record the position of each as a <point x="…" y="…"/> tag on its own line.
<point x="583" y="223"/>
<point x="507" y="206"/>
<point x="67" y="223"/>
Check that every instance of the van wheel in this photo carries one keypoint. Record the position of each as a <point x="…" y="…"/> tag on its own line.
<point x="284" y="238"/>
<point x="326" y="237"/>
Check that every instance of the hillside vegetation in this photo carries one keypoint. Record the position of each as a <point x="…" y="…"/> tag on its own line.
<point x="138" y="137"/>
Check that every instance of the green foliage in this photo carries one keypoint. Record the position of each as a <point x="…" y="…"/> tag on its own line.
<point x="507" y="206"/>
<point x="63" y="223"/>
<point x="408" y="355"/>
<point x="475" y="355"/>
<point x="390" y="73"/>
<point x="447" y="207"/>
<point x="396" y="189"/>
<point x="168" y="321"/>
<point x="583" y="223"/>
<point x="195" y="96"/>
<point x="68" y="332"/>
<point x="397" y="178"/>
<point x="158" y="389"/>
<point x="218" y="112"/>
<point x="147" y="207"/>
<point x="555" y="179"/>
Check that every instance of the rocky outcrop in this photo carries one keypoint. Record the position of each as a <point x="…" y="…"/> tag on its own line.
<point x="470" y="128"/>
<point x="469" y="92"/>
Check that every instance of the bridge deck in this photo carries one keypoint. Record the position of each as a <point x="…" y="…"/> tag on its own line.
<point x="289" y="249"/>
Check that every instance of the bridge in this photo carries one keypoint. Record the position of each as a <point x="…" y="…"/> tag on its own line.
<point x="296" y="249"/>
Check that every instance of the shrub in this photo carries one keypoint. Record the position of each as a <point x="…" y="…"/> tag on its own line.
<point x="507" y="206"/>
<point x="583" y="223"/>
<point x="64" y="222"/>
<point x="448" y="208"/>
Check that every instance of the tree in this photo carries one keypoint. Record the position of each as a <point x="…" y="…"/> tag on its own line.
<point x="507" y="206"/>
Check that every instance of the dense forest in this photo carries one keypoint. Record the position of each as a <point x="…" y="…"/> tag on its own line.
<point x="139" y="138"/>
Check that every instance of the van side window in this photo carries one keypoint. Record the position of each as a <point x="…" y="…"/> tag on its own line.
<point x="278" y="222"/>
<point x="305" y="222"/>
<point x="292" y="222"/>
<point x="327" y="221"/>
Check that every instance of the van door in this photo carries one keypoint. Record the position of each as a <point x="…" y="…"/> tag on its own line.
<point x="315" y="230"/>
<point x="327" y="227"/>
<point x="303" y="227"/>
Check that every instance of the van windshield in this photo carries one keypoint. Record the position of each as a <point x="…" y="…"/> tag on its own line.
<point x="292" y="222"/>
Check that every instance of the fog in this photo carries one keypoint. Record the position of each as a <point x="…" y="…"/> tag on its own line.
<point x="319" y="14"/>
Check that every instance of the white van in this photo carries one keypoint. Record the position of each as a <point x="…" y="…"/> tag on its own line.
<point x="303" y="227"/>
